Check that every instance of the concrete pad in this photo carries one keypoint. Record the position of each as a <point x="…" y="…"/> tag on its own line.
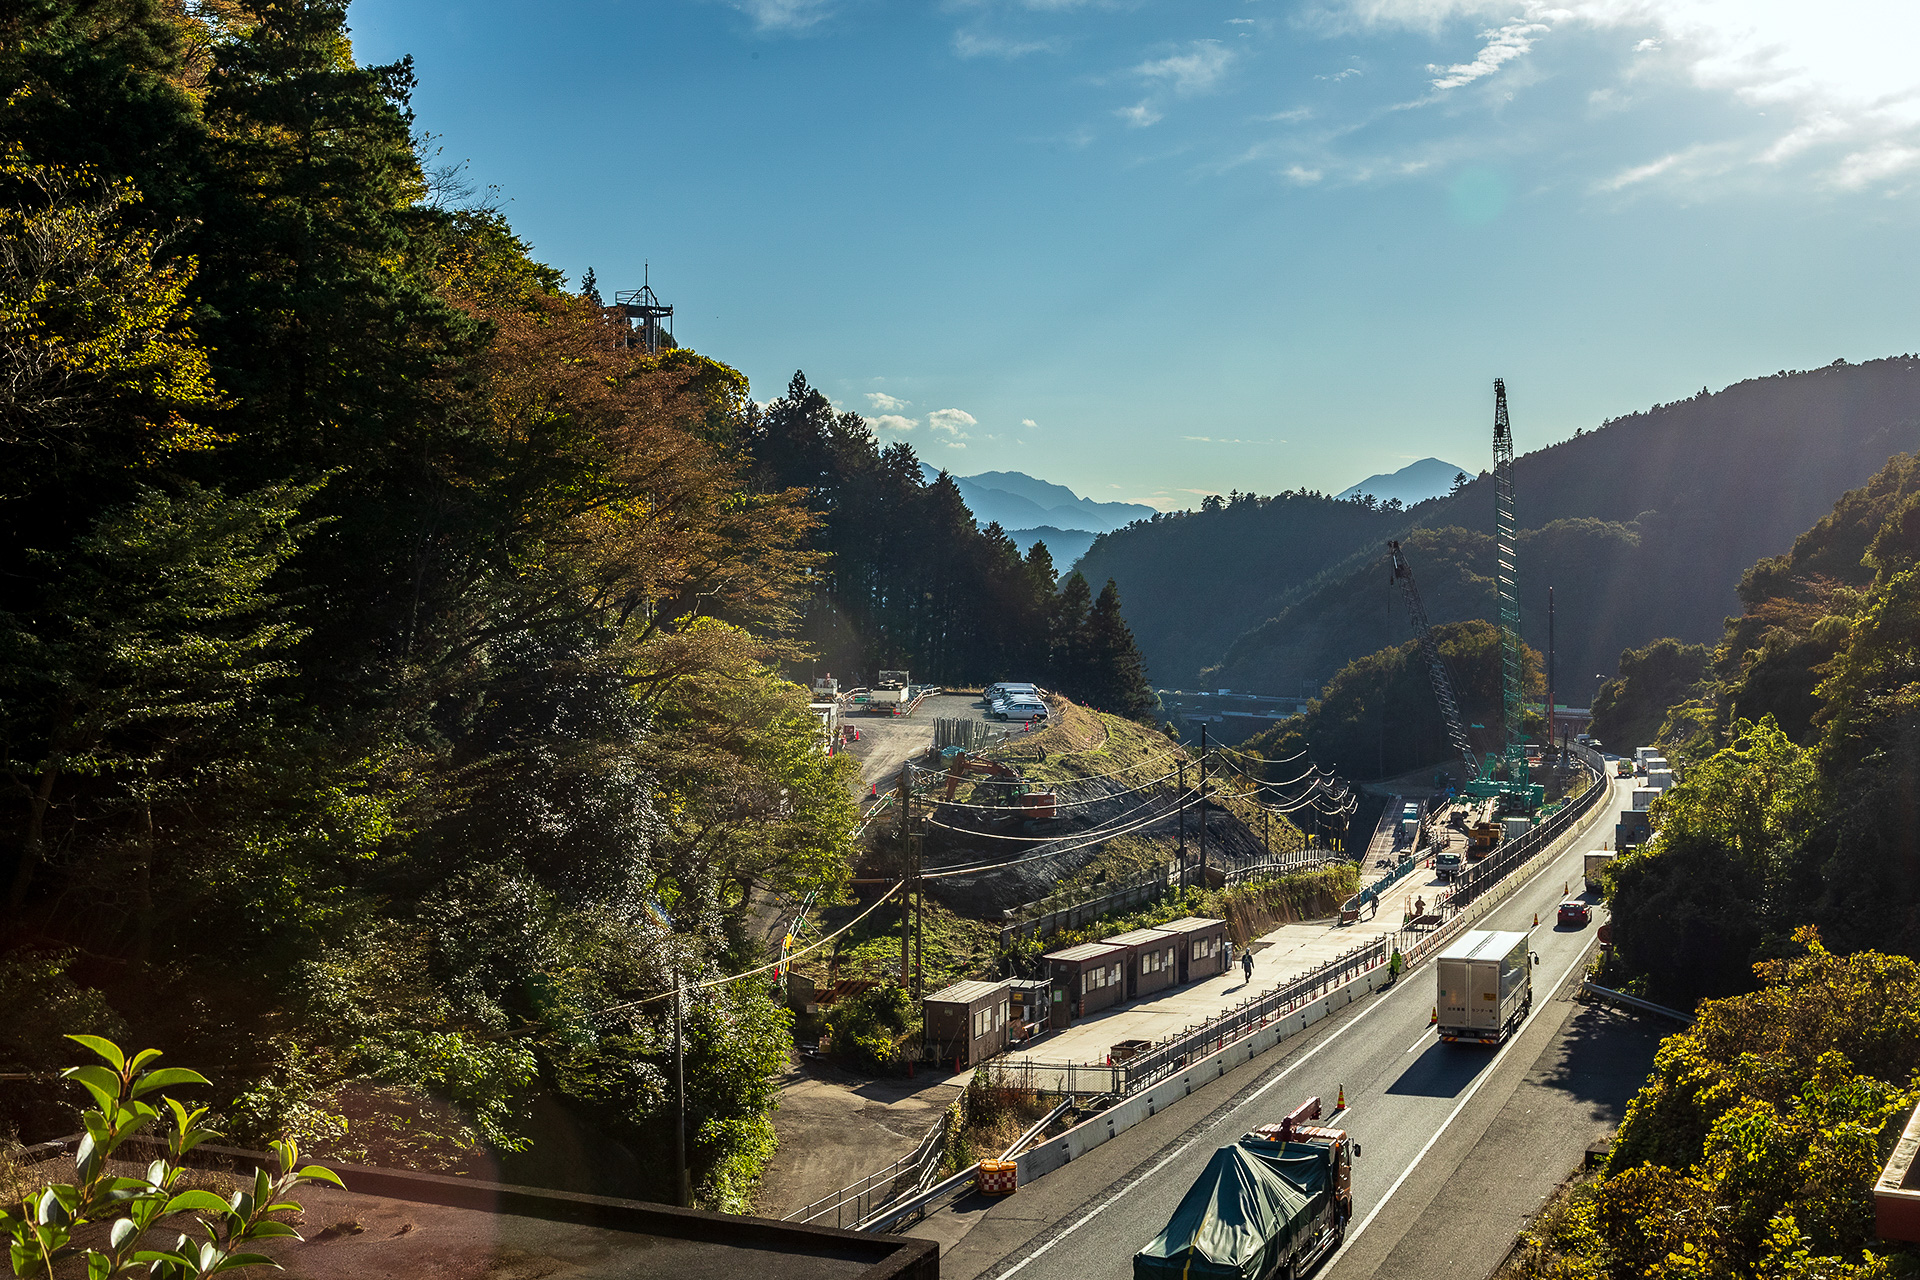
<point x="1280" y="956"/>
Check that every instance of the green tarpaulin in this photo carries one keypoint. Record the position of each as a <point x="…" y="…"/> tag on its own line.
<point x="1241" y="1215"/>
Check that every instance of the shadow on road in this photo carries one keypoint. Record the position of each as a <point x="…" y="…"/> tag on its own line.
<point x="1442" y="1071"/>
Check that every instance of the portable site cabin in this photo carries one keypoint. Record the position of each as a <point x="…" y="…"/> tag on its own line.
<point x="1203" y="946"/>
<point x="1152" y="959"/>
<point x="1086" y="979"/>
<point x="1027" y="1007"/>
<point x="966" y="1022"/>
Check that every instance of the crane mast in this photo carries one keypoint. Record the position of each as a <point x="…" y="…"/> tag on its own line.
<point x="1512" y="693"/>
<point x="1436" y="668"/>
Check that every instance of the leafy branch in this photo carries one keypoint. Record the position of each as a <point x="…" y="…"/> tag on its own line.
<point x="42" y="1229"/>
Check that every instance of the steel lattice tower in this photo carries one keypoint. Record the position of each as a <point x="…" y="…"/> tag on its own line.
<point x="1512" y="703"/>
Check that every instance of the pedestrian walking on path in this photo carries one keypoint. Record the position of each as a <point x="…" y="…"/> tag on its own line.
<point x="1246" y="964"/>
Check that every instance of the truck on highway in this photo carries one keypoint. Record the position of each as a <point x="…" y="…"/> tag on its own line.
<point x="1485" y="986"/>
<point x="1448" y="864"/>
<point x="1595" y="864"/>
<point x="1276" y="1203"/>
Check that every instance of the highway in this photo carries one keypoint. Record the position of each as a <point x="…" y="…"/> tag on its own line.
<point x="1458" y="1142"/>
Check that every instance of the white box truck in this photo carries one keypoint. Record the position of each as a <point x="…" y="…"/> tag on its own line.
<point x="1595" y="863"/>
<point x="1659" y="779"/>
<point x="1486" y="986"/>
<point x="1514" y="828"/>
<point x="1643" y="798"/>
<point x="1641" y="755"/>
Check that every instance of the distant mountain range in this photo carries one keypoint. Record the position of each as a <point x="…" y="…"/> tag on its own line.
<point x="1643" y="526"/>
<point x="1411" y="484"/>
<point x="1016" y="500"/>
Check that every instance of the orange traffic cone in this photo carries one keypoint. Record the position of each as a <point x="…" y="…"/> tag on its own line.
<point x="1536" y="919"/>
<point x="1341" y="1103"/>
<point x="1434" y="1021"/>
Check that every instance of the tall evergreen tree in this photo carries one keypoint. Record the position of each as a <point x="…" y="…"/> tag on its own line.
<point x="1116" y="677"/>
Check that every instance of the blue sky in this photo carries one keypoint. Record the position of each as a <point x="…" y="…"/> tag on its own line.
<point x="1154" y="250"/>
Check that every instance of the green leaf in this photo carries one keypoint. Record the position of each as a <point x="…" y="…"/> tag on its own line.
<point x="103" y="1084"/>
<point x="271" y="1230"/>
<point x="166" y="1077"/>
<point x="143" y="1057"/>
<point x="234" y="1260"/>
<point x="201" y="1201"/>
<point x="106" y="1049"/>
<point x="122" y="1231"/>
<point x="99" y="1266"/>
<point x="320" y="1173"/>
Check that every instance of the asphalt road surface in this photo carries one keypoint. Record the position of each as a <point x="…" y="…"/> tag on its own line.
<point x="1459" y="1143"/>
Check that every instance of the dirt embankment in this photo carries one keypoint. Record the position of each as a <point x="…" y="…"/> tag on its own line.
<point x="1119" y="796"/>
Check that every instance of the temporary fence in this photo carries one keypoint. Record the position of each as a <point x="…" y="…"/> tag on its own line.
<point x="967" y="735"/>
<point x="1147" y="888"/>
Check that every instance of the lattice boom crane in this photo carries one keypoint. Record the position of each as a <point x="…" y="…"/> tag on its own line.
<point x="1436" y="667"/>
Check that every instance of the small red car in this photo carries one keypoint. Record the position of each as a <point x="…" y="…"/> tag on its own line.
<point x="1574" y="911"/>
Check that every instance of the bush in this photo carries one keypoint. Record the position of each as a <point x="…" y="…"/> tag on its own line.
<point x="868" y="1029"/>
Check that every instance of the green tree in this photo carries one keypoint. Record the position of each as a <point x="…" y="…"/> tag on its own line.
<point x="1116" y="679"/>
<point x="1629" y="708"/>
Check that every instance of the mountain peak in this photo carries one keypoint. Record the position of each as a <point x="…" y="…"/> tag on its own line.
<point x="1020" y="501"/>
<point x="1413" y="483"/>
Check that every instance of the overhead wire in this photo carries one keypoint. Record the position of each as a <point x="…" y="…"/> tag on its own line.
<point x="735" y="977"/>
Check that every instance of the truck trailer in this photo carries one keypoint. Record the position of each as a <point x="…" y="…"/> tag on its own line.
<point x="1276" y="1203"/>
<point x="1595" y="863"/>
<point x="1486" y="986"/>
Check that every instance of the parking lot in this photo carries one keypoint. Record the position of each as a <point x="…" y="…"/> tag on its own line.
<point x="887" y="742"/>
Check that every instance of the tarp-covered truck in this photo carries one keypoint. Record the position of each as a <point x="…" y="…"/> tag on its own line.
<point x="1486" y="986"/>
<point x="1271" y="1205"/>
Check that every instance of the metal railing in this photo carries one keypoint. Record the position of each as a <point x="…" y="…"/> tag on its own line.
<point x="1634" y="1002"/>
<point x="858" y="1201"/>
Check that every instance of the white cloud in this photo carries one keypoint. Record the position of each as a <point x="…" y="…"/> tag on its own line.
<point x="1029" y="423"/>
<point x="1348" y="74"/>
<point x="1837" y="80"/>
<point x="1295" y="116"/>
<point x="953" y="421"/>
<point x="1195" y="71"/>
<point x="1504" y="44"/>
<point x="1872" y="166"/>
<point x="973" y="44"/>
<point x="1139" y="115"/>
<point x="1301" y="174"/>
<point x="784" y="15"/>
<point x="886" y="403"/>
<point x="892" y="422"/>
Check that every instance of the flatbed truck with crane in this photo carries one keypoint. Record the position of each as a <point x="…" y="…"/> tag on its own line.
<point x="1274" y="1205"/>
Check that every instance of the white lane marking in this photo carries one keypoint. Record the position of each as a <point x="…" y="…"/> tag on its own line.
<point x="1146" y="1177"/>
<point x="1426" y="1037"/>
<point x="1483" y="1077"/>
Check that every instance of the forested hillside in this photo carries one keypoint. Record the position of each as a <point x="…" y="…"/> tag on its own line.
<point x="1199" y="578"/>
<point x="1798" y="752"/>
<point x="1378" y="717"/>
<point x="1687" y="496"/>
<point x="395" y="658"/>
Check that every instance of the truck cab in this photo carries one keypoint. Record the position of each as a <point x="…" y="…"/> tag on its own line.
<point x="1449" y="863"/>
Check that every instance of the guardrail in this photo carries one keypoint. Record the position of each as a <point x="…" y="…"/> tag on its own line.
<point x="1634" y="1002"/>
<point x="853" y="1203"/>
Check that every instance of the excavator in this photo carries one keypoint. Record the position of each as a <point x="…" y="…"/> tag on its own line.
<point x="999" y="784"/>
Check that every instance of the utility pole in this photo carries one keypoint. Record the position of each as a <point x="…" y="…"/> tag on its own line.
<point x="682" y="1192"/>
<point x="1183" y="823"/>
<point x="1549" y="668"/>
<point x="906" y="871"/>
<point x="1203" y="805"/>
<point x="919" y="918"/>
